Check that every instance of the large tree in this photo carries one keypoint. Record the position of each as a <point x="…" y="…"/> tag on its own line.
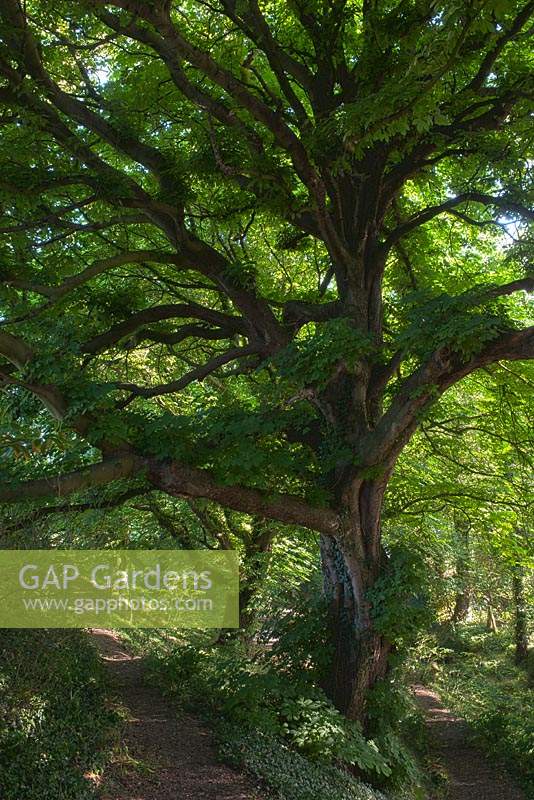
<point x="246" y="246"/>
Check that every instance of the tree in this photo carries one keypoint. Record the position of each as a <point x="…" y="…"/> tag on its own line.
<point x="247" y="246"/>
<point x="520" y="617"/>
<point x="462" y="600"/>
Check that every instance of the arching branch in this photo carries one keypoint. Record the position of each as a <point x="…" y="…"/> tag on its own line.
<point x="181" y="481"/>
<point x="99" y="474"/>
<point x="415" y="221"/>
<point x="25" y="45"/>
<point x="443" y="369"/>
<point x="197" y="374"/>
<point x="98" y="268"/>
<point x="202" y="60"/>
<point x="157" y="313"/>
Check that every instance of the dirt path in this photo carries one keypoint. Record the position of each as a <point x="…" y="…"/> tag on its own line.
<point x="471" y="776"/>
<point x="174" y="755"/>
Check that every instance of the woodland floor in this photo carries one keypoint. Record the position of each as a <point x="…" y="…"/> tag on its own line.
<point x="167" y="756"/>
<point x="471" y="776"/>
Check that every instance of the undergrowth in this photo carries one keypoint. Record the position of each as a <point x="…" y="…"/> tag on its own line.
<point x="272" y="720"/>
<point x="56" y="727"/>
<point x="474" y="672"/>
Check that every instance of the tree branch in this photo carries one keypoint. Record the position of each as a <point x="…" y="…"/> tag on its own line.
<point x="442" y="370"/>
<point x="255" y="26"/>
<point x="20" y="355"/>
<point x="181" y="481"/>
<point x="98" y="268"/>
<point x="202" y="60"/>
<point x="193" y="92"/>
<point x="521" y="285"/>
<point x="25" y="45"/>
<point x="61" y="485"/>
<point x="491" y="57"/>
<point x="15" y="350"/>
<point x="197" y="374"/>
<point x="297" y="312"/>
<point x="504" y="203"/>
<point x="156" y="314"/>
<point x="184" y="332"/>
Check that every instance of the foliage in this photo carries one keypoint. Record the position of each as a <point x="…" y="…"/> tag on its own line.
<point x="274" y="695"/>
<point x="397" y="727"/>
<point x="455" y="322"/>
<point x="288" y="774"/>
<point x="256" y="696"/>
<point x="311" y="358"/>
<point x="397" y="599"/>
<point x="294" y="623"/>
<point x="55" y="721"/>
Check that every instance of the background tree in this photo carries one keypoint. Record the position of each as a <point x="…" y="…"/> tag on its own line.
<point x="247" y="247"/>
<point x="468" y="471"/>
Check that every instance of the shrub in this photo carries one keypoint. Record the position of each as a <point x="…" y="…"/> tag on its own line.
<point x="256" y="697"/>
<point x="270" y="699"/>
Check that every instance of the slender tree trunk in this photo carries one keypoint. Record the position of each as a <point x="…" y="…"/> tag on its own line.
<point x="463" y="573"/>
<point x="520" y="616"/>
<point x="254" y="571"/>
<point x="491" y="622"/>
<point x="351" y="564"/>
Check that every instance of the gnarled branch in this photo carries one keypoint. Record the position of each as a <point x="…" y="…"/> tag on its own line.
<point x="181" y="481"/>
<point x="443" y="369"/>
<point x="100" y="474"/>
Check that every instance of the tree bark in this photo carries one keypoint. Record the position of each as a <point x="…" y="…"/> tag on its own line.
<point x="352" y="562"/>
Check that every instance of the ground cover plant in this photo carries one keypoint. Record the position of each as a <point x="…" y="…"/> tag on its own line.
<point x="57" y="726"/>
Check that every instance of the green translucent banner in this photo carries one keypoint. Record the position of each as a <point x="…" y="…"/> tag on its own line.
<point x="119" y="588"/>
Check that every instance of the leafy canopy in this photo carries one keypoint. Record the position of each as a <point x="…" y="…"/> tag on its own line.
<point x="259" y="239"/>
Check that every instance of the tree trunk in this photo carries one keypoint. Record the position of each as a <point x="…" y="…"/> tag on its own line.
<point x="254" y="571"/>
<point x="463" y="573"/>
<point x="491" y="622"/>
<point x="461" y="606"/>
<point x="351" y="564"/>
<point x="520" y="617"/>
